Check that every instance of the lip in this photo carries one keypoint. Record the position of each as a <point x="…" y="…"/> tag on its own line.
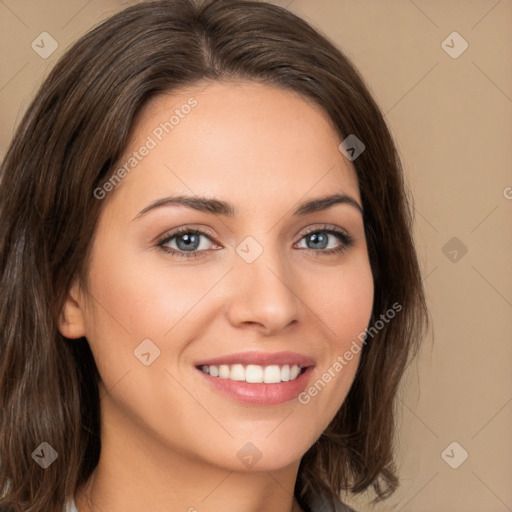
<point x="260" y="358"/>
<point x="259" y="393"/>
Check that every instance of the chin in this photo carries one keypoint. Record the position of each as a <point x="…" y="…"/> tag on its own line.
<point x="260" y="454"/>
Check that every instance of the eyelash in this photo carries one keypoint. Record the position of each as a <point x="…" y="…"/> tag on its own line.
<point x="346" y="241"/>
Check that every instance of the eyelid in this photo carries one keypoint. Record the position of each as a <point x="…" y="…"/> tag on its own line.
<point x="346" y="238"/>
<point x="187" y="228"/>
<point x="325" y="227"/>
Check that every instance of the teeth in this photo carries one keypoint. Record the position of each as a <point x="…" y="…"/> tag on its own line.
<point x="254" y="373"/>
<point x="224" y="371"/>
<point x="237" y="372"/>
<point x="272" y="374"/>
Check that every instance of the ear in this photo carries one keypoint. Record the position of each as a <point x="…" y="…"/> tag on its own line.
<point x="71" y="321"/>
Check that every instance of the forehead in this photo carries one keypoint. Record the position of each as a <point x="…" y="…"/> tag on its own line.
<point x="243" y="138"/>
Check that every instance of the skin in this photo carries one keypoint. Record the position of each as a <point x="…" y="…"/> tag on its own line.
<point x="169" y="440"/>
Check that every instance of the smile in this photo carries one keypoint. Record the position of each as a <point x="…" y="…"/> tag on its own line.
<point x="254" y="373"/>
<point x="257" y="378"/>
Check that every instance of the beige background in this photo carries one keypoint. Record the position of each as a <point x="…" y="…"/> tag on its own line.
<point x="452" y="119"/>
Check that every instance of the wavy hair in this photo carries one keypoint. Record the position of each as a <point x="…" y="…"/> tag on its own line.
<point x="67" y="145"/>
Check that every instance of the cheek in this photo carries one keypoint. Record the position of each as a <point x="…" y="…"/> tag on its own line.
<point x="135" y="297"/>
<point x="140" y="293"/>
<point x="345" y="309"/>
<point x="345" y="302"/>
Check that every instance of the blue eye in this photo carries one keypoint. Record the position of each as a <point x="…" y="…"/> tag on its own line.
<point x="320" y="238"/>
<point x="188" y="241"/>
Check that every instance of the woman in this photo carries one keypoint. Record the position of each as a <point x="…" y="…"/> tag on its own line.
<point x="210" y="289"/>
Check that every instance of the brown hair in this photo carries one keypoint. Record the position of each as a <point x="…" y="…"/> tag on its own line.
<point x="67" y="145"/>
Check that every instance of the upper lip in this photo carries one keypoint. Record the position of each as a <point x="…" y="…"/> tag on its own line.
<point x="260" y="358"/>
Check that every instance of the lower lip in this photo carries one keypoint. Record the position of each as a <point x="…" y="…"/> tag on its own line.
<point x="260" y="394"/>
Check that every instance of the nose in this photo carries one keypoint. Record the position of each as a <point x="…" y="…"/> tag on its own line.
<point x="263" y="294"/>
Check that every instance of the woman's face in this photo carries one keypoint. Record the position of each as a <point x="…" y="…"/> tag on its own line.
<point x="252" y="290"/>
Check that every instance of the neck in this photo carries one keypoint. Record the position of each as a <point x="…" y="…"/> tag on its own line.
<point x="146" y="475"/>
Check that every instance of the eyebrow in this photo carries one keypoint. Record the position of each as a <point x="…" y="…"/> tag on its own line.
<point x="224" y="208"/>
